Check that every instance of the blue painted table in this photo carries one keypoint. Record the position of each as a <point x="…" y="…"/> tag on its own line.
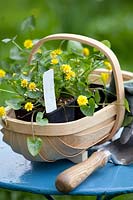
<point x="17" y="173"/>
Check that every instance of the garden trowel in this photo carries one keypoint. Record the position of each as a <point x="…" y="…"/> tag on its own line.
<point x="128" y="129"/>
<point x="111" y="96"/>
<point x="119" y="154"/>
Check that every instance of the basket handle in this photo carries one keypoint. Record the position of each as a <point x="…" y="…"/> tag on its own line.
<point x="111" y="57"/>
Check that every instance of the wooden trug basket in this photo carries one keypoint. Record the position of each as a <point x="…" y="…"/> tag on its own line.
<point x="71" y="139"/>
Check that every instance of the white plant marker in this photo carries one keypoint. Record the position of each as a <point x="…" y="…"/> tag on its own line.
<point x="49" y="91"/>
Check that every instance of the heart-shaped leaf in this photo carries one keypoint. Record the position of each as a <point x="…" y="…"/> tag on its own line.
<point x="34" y="145"/>
<point x="74" y="46"/>
<point x="88" y="110"/>
<point x="15" y="54"/>
<point x="14" y="103"/>
<point x="40" y="120"/>
<point x="28" y="24"/>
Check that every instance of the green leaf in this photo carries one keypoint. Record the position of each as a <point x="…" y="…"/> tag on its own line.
<point x="95" y="50"/>
<point x="88" y="110"/>
<point x="6" y="40"/>
<point x="28" y="24"/>
<point x="14" y="103"/>
<point x="74" y="46"/>
<point x="40" y="120"/>
<point x="15" y="54"/>
<point x="14" y="38"/>
<point x="126" y="104"/>
<point x="33" y="94"/>
<point x="127" y="120"/>
<point x="107" y="43"/>
<point x="81" y="86"/>
<point x="34" y="145"/>
<point x="88" y="94"/>
<point x="97" y="97"/>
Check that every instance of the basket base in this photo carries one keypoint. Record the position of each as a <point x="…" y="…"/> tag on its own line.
<point x="80" y="158"/>
<point x="19" y="145"/>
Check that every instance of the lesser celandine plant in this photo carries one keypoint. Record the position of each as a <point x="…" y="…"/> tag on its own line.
<point x="72" y="64"/>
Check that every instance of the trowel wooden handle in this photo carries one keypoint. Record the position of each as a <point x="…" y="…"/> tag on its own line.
<point x="72" y="177"/>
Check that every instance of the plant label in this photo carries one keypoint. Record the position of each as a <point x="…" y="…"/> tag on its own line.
<point x="49" y="91"/>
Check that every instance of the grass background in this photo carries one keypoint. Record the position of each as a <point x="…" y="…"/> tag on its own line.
<point x="99" y="19"/>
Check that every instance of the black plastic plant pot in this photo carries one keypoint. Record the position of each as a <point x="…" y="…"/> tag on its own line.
<point x="62" y="114"/>
<point x="22" y="114"/>
<point x="78" y="113"/>
<point x="129" y="94"/>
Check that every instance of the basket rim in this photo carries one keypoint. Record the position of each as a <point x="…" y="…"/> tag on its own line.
<point x="61" y="129"/>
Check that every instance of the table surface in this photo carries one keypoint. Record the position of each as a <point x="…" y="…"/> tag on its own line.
<point x="17" y="173"/>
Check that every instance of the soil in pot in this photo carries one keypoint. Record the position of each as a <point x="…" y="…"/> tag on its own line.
<point x="64" y="113"/>
<point x="22" y="114"/>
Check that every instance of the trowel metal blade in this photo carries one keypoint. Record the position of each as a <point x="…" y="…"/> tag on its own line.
<point x="121" y="154"/>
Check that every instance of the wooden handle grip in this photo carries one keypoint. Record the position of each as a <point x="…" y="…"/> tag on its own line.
<point x="72" y="177"/>
<point x="111" y="57"/>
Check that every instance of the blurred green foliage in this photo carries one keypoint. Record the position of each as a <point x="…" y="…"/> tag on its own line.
<point x="16" y="195"/>
<point x="99" y="19"/>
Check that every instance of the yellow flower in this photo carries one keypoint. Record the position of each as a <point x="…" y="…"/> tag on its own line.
<point x="86" y="52"/>
<point x="2" y="111"/>
<point x="56" y="52"/>
<point x="53" y="54"/>
<point x="70" y="75"/>
<point x="54" y="61"/>
<point x="108" y="65"/>
<point x="28" y="106"/>
<point x="105" y="78"/>
<point x="28" y="44"/>
<point x="66" y="68"/>
<point x="24" y="83"/>
<point x="2" y="73"/>
<point x="32" y="86"/>
<point x="82" y="100"/>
